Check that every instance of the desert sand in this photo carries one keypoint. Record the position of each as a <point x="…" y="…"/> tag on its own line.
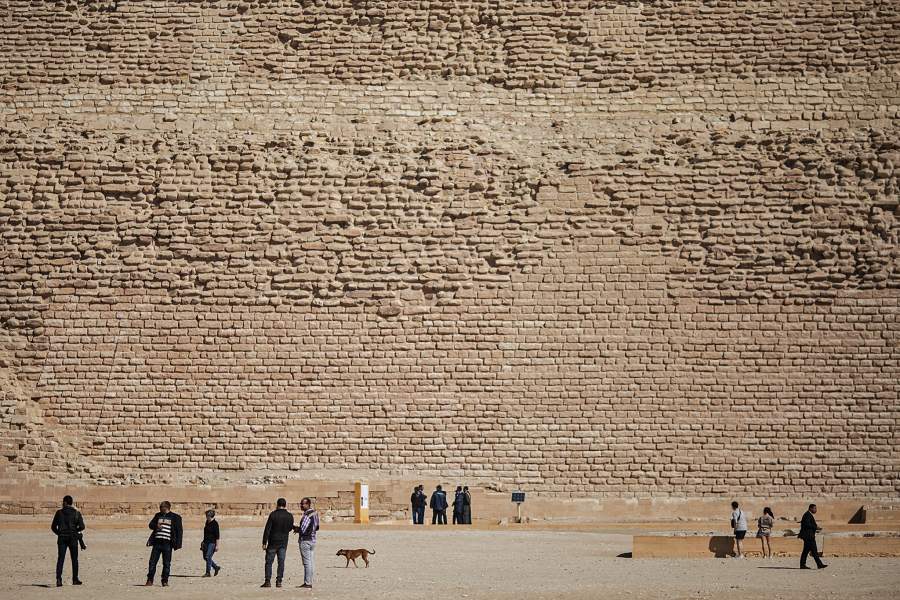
<point x="424" y="563"/>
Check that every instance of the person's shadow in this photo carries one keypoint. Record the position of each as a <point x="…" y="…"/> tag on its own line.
<point x="39" y="585"/>
<point x="722" y="546"/>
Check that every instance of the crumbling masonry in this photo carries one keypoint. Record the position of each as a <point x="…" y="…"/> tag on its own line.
<point x="580" y="247"/>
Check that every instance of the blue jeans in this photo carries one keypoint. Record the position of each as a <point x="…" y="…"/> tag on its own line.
<point x="418" y="516"/>
<point x="208" y="556"/>
<point x="271" y="553"/>
<point x="163" y="549"/>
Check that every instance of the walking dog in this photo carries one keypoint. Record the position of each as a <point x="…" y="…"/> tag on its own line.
<point x="354" y="554"/>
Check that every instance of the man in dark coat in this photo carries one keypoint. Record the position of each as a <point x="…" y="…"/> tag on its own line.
<point x="275" y="540"/>
<point x="164" y="539"/>
<point x="438" y="505"/>
<point x="418" y="501"/>
<point x="458" y="506"/>
<point x="67" y="525"/>
<point x="808" y="530"/>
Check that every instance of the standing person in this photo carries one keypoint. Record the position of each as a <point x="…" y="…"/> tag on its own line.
<point x="309" y="525"/>
<point x="418" y="500"/>
<point x="458" y="506"/>
<point x="165" y="539"/>
<point x="764" y="531"/>
<point x="438" y="505"/>
<point x="67" y="525"/>
<point x="275" y="540"/>
<point x="210" y="542"/>
<point x="808" y="530"/>
<point x="739" y="524"/>
<point x="467" y="506"/>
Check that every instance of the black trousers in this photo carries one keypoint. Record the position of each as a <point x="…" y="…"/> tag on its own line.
<point x="163" y="549"/>
<point x="64" y="543"/>
<point x="439" y="517"/>
<point x="809" y="547"/>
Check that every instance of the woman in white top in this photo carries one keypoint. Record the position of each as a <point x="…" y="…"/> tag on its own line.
<point x="764" y="531"/>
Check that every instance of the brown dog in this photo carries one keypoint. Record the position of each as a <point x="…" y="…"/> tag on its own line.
<point x="354" y="554"/>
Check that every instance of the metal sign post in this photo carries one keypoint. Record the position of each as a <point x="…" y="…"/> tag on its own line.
<point x="519" y="499"/>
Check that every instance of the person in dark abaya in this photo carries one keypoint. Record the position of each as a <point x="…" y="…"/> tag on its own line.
<point x="467" y="506"/>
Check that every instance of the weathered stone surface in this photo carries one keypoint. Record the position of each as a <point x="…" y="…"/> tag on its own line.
<point x="608" y="248"/>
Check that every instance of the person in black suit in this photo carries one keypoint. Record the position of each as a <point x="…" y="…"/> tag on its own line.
<point x="808" y="529"/>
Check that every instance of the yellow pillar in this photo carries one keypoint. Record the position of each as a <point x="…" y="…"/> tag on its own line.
<point x="361" y="502"/>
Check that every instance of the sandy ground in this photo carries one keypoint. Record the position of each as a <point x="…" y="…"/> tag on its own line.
<point x="425" y="563"/>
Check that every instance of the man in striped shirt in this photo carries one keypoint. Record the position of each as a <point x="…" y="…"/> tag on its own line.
<point x="309" y="525"/>
<point x="165" y="538"/>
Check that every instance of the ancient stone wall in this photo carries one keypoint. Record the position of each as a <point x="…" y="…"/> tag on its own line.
<point x="607" y="248"/>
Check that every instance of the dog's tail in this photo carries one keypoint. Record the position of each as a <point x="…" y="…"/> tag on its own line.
<point x="372" y="551"/>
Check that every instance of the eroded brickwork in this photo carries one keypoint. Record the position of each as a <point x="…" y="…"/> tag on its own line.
<point x="605" y="248"/>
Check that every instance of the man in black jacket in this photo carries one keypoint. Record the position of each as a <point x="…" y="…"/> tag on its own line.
<point x="165" y="538"/>
<point x="275" y="540"/>
<point x="458" y="506"/>
<point x="418" y="500"/>
<point x="67" y="525"/>
<point x="808" y="530"/>
<point x="438" y="506"/>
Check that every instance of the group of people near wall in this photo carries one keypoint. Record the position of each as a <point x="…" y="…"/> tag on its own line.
<point x="462" y="505"/>
<point x="765" y="524"/>
<point x="166" y="532"/>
